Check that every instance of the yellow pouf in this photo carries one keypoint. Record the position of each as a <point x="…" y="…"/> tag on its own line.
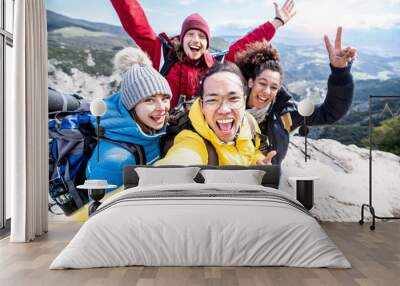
<point x="82" y="214"/>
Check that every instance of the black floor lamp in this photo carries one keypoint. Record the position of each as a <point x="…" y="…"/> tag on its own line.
<point x="305" y="108"/>
<point x="369" y="205"/>
<point x="97" y="188"/>
<point x="98" y="108"/>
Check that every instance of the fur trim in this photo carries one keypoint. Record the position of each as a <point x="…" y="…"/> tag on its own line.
<point x="126" y="58"/>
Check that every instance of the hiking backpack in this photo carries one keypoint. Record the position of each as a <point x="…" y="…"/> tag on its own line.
<point x="71" y="145"/>
<point x="72" y="140"/>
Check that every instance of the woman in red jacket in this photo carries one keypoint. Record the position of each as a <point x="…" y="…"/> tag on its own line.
<point x="185" y="58"/>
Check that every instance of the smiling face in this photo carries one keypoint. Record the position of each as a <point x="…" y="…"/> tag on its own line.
<point x="194" y="44"/>
<point x="223" y="104"/>
<point x="153" y="110"/>
<point x="264" y="88"/>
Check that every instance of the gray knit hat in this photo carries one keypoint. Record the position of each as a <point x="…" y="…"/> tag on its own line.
<point x="139" y="78"/>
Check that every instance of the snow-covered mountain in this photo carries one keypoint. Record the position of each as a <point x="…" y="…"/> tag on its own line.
<point x="82" y="83"/>
<point x="343" y="184"/>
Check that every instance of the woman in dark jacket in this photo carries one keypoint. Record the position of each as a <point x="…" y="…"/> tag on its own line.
<point x="274" y="108"/>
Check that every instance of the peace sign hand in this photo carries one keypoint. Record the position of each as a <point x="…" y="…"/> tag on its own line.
<point x="338" y="57"/>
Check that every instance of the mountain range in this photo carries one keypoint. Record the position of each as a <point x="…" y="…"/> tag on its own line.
<point x="378" y="41"/>
<point x="305" y="60"/>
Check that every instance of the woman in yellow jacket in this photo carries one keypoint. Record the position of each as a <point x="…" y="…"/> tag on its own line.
<point x="218" y="115"/>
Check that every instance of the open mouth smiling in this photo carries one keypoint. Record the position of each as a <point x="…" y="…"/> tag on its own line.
<point x="194" y="48"/>
<point x="159" y="119"/>
<point x="262" y="99"/>
<point x="225" y="125"/>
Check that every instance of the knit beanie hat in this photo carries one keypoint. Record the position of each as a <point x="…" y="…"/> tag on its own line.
<point x="195" y="21"/>
<point x="139" y="78"/>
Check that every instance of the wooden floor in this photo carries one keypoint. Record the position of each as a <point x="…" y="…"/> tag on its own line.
<point x="375" y="256"/>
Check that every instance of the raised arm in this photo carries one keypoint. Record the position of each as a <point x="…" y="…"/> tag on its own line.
<point x="264" y="32"/>
<point x="340" y="86"/>
<point x="135" y="23"/>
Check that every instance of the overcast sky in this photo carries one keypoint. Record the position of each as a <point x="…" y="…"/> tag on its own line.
<point x="314" y="17"/>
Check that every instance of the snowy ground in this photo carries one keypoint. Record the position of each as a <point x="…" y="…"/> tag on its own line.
<point x="343" y="183"/>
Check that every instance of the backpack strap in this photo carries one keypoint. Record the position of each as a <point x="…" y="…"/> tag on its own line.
<point x="254" y="133"/>
<point x="71" y="187"/>
<point x="252" y="126"/>
<point x="66" y="179"/>
<point x="170" y="57"/>
<point x="219" y="56"/>
<point x="287" y="121"/>
<point x="211" y="152"/>
<point x="136" y="150"/>
<point x="264" y="144"/>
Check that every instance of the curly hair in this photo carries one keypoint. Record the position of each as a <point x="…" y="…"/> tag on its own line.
<point x="257" y="57"/>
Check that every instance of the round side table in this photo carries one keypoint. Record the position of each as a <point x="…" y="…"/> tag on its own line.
<point x="305" y="190"/>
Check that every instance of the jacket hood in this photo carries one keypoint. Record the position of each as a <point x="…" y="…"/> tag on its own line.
<point x="119" y="124"/>
<point x="199" y="123"/>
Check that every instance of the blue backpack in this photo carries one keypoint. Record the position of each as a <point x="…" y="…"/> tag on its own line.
<point x="72" y="141"/>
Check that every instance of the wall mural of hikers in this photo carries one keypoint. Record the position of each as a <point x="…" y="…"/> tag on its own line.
<point x="202" y="89"/>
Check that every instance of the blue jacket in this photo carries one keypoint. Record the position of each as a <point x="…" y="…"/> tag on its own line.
<point x="119" y="126"/>
<point x="336" y="104"/>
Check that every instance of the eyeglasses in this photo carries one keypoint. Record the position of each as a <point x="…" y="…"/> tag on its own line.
<point x="232" y="101"/>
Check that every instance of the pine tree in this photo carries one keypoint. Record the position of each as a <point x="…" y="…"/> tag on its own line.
<point x="387" y="136"/>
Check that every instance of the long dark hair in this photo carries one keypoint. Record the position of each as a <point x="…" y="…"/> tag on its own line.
<point x="222" y="67"/>
<point x="258" y="57"/>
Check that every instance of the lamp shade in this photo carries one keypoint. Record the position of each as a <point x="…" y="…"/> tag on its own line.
<point x="305" y="107"/>
<point x="96" y="184"/>
<point x="98" y="107"/>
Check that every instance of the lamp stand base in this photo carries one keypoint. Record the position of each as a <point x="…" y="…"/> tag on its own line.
<point x="374" y="216"/>
<point x="96" y="195"/>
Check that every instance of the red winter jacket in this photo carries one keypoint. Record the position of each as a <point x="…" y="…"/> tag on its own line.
<point x="183" y="77"/>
